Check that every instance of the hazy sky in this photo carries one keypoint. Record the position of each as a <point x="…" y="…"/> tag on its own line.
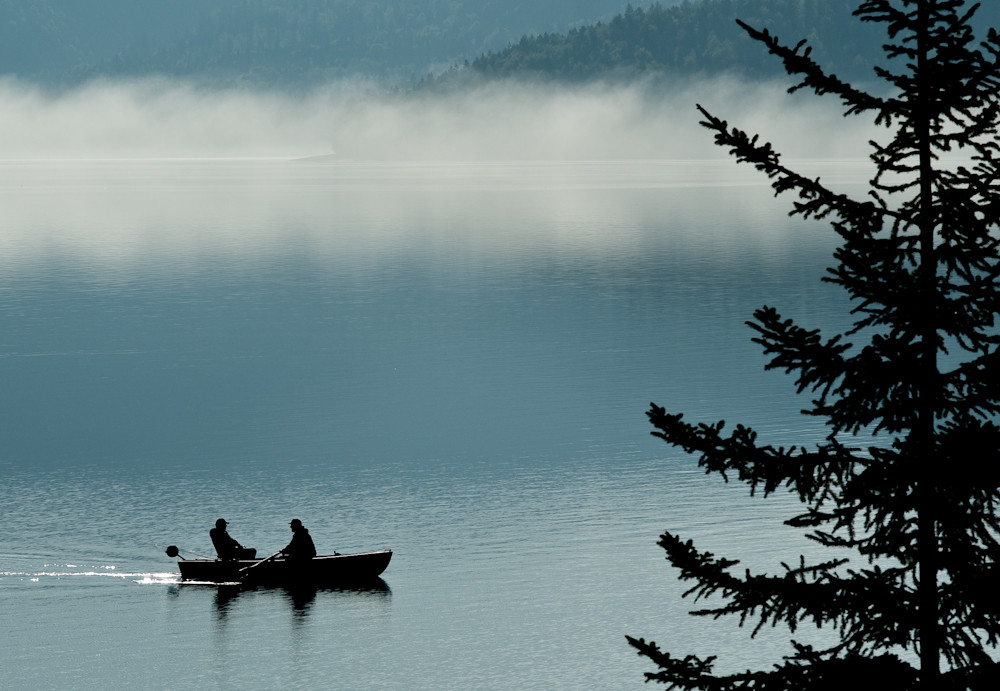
<point x="158" y="118"/>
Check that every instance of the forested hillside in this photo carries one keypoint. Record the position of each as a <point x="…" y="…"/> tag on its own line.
<point x="305" y="42"/>
<point x="269" y="41"/>
<point x="699" y="38"/>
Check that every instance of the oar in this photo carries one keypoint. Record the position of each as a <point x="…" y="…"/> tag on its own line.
<point x="245" y="571"/>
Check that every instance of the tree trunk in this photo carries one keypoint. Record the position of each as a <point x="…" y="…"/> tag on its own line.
<point x="927" y="547"/>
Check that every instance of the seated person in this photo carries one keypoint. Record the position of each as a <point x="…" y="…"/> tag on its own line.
<point x="301" y="546"/>
<point x="226" y="545"/>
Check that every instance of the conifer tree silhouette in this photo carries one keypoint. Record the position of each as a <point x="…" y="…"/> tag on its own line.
<point x="918" y="377"/>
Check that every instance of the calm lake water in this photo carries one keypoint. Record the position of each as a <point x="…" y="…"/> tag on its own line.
<point x="451" y="361"/>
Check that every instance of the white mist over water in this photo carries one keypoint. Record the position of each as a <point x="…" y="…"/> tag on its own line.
<point x="160" y="118"/>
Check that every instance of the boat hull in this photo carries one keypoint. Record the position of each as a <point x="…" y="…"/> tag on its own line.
<point x="321" y="571"/>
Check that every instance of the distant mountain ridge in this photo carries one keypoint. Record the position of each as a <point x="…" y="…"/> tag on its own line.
<point x="301" y="43"/>
<point x="268" y="42"/>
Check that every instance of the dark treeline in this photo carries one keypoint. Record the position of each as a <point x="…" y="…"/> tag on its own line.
<point x="266" y="42"/>
<point x="305" y="42"/>
<point x="309" y="41"/>
<point x="697" y="38"/>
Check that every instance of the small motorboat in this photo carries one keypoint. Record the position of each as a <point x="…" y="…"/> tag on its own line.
<point x="328" y="570"/>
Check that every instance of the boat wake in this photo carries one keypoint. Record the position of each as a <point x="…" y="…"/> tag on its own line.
<point x="65" y="571"/>
<point x="159" y="578"/>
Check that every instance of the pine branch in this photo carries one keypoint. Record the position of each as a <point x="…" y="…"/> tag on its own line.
<point x="689" y="673"/>
<point x="795" y="349"/>
<point x="811" y="475"/>
<point x="797" y="61"/>
<point x="862" y="603"/>
<point x="816" y="201"/>
<point x="805" y="669"/>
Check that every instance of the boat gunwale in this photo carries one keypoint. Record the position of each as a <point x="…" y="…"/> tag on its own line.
<point x="251" y="562"/>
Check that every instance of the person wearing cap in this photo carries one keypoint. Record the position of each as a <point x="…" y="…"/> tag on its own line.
<point x="227" y="546"/>
<point x="301" y="546"/>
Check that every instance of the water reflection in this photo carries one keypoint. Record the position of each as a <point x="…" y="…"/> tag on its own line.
<point x="300" y="598"/>
<point x="224" y="599"/>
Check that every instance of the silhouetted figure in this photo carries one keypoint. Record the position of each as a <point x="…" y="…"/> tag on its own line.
<point x="301" y="546"/>
<point x="226" y="545"/>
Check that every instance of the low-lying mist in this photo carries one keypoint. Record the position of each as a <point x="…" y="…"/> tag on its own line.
<point x="158" y="118"/>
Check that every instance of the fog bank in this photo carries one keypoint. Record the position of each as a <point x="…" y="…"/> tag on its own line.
<point x="158" y="118"/>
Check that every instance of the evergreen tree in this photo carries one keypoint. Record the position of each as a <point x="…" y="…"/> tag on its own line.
<point x="917" y="501"/>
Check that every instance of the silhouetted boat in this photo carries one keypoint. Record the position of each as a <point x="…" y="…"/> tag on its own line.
<point x="322" y="571"/>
